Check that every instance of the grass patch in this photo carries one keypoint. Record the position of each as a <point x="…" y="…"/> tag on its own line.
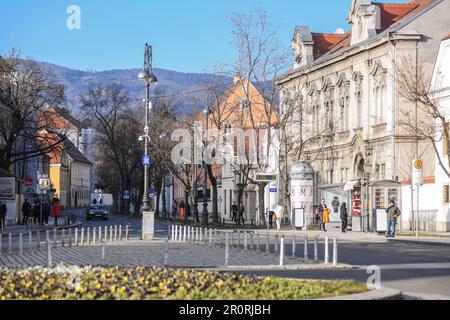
<point x="140" y="283"/>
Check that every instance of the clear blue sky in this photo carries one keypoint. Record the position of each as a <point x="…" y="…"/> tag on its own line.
<point x="187" y="35"/>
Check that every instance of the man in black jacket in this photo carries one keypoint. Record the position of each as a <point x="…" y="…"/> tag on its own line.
<point x="3" y="211"/>
<point x="26" y="208"/>
<point x="344" y="217"/>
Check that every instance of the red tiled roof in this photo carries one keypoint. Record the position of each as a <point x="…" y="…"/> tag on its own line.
<point x="324" y="41"/>
<point x="446" y="37"/>
<point x="392" y="14"/>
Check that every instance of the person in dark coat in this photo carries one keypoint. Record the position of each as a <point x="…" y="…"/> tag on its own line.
<point x="46" y="209"/>
<point x="344" y="217"/>
<point x="3" y="211"/>
<point x="37" y="212"/>
<point x="26" y="208"/>
<point x="234" y="211"/>
<point x="241" y="214"/>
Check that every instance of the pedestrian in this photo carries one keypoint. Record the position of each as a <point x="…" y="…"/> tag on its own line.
<point x="271" y="219"/>
<point x="393" y="213"/>
<point x="182" y="207"/>
<point x="174" y="210"/>
<point x="56" y="211"/>
<point x="234" y="211"/>
<point x="320" y="215"/>
<point x="278" y="216"/>
<point x="344" y="217"/>
<point x="197" y="219"/>
<point x="37" y="212"/>
<point x="46" y="210"/>
<point x="241" y="214"/>
<point x="26" y="209"/>
<point x="3" y="211"/>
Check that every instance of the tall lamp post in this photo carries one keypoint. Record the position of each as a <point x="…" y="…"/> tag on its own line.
<point x="149" y="78"/>
<point x="205" y="213"/>
<point x="148" y="218"/>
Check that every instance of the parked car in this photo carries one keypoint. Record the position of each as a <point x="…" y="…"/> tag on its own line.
<point x="100" y="212"/>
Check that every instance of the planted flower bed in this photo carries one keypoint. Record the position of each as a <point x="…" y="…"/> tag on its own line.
<point x="156" y="283"/>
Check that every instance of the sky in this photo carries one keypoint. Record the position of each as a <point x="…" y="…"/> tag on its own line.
<point x="186" y="35"/>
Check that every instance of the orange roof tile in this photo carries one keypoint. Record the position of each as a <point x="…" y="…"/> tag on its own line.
<point x="392" y="14"/>
<point x="324" y="41"/>
<point x="446" y="37"/>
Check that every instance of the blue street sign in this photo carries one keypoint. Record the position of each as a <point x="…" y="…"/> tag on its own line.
<point x="273" y="190"/>
<point x="126" y="194"/>
<point x="146" y="160"/>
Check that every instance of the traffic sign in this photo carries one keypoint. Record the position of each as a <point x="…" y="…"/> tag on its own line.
<point x="146" y="160"/>
<point x="126" y="195"/>
<point x="417" y="174"/>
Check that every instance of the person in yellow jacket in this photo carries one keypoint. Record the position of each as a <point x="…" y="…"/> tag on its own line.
<point x="323" y="215"/>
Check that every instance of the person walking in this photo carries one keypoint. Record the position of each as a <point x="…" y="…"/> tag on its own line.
<point x="26" y="208"/>
<point x="278" y="216"/>
<point x="344" y="217"/>
<point x="46" y="210"/>
<point x="3" y="211"/>
<point x="182" y="207"/>
<point x="174" y="210"/>
<point x="234" y="211"/>
<point x="393" y="213"/>
<point x="241" y="214"/>
<point x="37" y="212"/>
<point x="56" y="211"/>
<point x="320" y="215"/>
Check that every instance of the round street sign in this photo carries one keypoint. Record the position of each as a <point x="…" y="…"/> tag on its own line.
<point x="418" y="164"/>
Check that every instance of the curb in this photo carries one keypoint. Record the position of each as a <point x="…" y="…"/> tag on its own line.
<point x="423" y="296"/>
<point x="374" y="295"/>
<point x="286" y="267"/>
<point x="78" y="224"/>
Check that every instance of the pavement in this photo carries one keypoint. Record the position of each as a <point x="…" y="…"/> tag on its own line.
<point x="418" y="267"/>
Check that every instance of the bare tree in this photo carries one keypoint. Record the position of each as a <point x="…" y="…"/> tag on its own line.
<point x="26" y="91"/>
<point x="118" y="127"/>
<point x="427" y="121"/>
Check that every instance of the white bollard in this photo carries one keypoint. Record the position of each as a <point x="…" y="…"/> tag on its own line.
<point x="76" y="237"/>
<point x="227" y="249"/>
<point x="30" y="240"/>
<point x="103" y="251"/>
<point x="189" y="233"/>
<point x="105" y="240"/>
<point x="88" y="236"/>
<point x="245" y="241"/>
<point x="282" y="251"/>
<point x="120" y="232"/>
<point x="166" y="252"/>
<point x="70" y="237"/>
<point x="306" y="253"/>
<point x="316" y="249"/>
<point x="100" y="238"/>
<point x="294" y="246"/>
<point x="257" y="243"/>
<point x="335" y="252"/>
<point x="276" y="243"/>
<point x="115" y="232"/>
<point x="184" y="233"/>
<point x="20" y="244"/>
<point x="49" y="254"/>
<point x="210" y="238"/>
<point x="327" y="257"/>
<point x="110" y="233"/>
<point x="126" y="233"/>
<point x="94" y="235"/>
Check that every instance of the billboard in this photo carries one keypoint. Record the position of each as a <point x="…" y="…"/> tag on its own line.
<point x="7" y="188"/>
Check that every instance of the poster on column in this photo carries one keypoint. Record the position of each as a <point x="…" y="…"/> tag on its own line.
<point x="302" y="198"/>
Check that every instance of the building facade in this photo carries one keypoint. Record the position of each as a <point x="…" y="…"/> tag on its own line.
<point x="348" y="106"/>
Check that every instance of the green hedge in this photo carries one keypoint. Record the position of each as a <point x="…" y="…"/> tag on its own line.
<point x="156" y="283"/>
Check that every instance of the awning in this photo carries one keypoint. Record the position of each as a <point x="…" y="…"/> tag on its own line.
<point x="386" y="184"/>
<point x="330" y="186"/>
<point x="349" y="186"/>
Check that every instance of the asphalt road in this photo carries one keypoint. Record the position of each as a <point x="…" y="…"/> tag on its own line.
<point x="413" y="267"/>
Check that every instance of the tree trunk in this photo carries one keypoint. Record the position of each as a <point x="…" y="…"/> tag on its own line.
<point x="261" y="197"/>
<point x="158" y="197"/>
<point x="215" y="213"/>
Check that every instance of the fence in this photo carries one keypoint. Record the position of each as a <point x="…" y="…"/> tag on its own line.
<point x="17" y="244"/>
<point x="259" y="242"/>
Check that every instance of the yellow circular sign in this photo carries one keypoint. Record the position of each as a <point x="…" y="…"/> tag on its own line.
<point x="418" y="164"/>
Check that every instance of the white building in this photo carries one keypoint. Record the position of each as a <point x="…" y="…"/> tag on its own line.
<point x="434" y="198"/>
<point x="343" y="87"/>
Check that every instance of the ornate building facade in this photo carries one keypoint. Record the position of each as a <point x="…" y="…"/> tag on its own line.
<point x="348" y="107"/>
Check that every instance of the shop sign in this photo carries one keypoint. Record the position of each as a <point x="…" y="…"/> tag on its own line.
<point x="7" y="188"/>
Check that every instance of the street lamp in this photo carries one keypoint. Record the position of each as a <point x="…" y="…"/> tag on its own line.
<point x="205" y="213"/>
<point x="149" y="78"/>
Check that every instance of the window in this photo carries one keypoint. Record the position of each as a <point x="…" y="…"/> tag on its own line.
<point x="446" y="194"/>
<point x="382" y="172"/>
